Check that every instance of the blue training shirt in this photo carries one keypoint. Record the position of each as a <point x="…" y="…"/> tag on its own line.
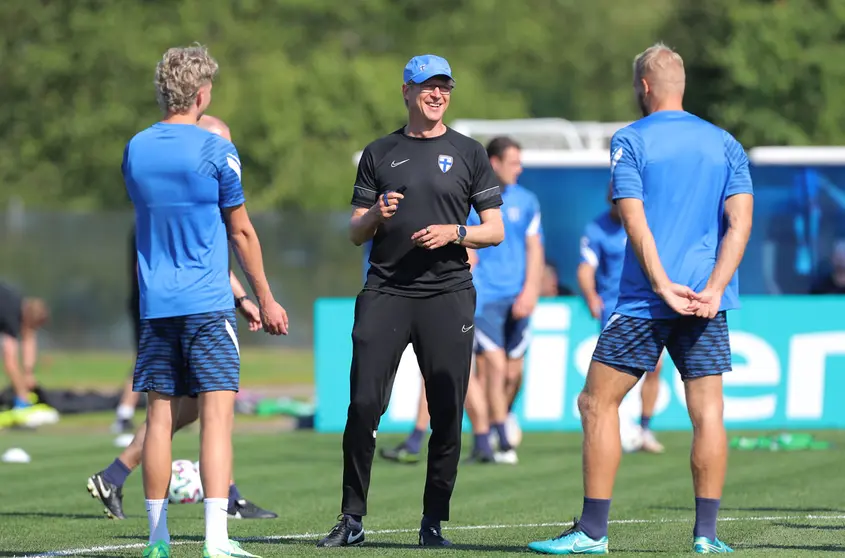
<point x="603" y="248"/>
<point x="682" y="168"/>
<point x="179" y="178"/>
<point x="499" y="273"/>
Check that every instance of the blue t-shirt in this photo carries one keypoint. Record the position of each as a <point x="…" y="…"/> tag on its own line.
<point x="683" y="168"/>
<point x="179" y="178"/>
<point x="499" y="273"/>
<point x="603" y="248"/>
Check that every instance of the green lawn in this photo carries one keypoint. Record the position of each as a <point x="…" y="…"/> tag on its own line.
<point x="85" y="369"/>
<point x="785" y="504"/>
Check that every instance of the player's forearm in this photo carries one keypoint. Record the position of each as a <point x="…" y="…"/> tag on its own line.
<point x="237" y="288"/>
<point x="490" y="233"/>
<point x="472" y="257"/>
<point x="363" y="226"/>
<point x="586" y="275"/>
<point x="642" y="242"/>
<point x="29" y="350"/>
<point x="535" y="265"/>
<point x="247" y="249"/>
<point x="730" y="253"/>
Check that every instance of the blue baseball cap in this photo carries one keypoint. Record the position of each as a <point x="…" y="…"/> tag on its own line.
<point x="426" y="66"/>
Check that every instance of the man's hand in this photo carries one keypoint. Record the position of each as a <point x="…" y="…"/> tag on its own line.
<point x="435" y="236"/>
<point x="681" y="299"/>
<point x="250" y="311"/>
<point x="711" y="301"/>
<point x="387" y="205"/>
<point x="274" y="318"/>
<point x="596" y="306"/>
<point x="524" y="305"/>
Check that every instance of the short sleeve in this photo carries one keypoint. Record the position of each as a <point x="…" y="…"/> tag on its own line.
<point x="590" y="251"/>
<point x="473" y="219"/>
<point x="739" y="179"/>
<point x="535" y="224"/>
<point x="484" y="191"/>
<point x="365" y="191"/>
<point x="625" y="159"/>
<point x="228" y="164"/>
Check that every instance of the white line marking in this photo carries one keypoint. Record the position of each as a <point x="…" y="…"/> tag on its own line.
<point x="96" y="549"/>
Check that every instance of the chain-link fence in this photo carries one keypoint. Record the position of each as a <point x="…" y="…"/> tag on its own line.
<point x="79" y="263"/>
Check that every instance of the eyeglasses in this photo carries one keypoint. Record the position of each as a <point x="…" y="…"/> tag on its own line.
<point x="445" y="88"/>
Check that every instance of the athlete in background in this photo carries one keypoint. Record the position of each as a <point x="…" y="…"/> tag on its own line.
<point x="20" y="319"/>
<point x="599" y="273"/>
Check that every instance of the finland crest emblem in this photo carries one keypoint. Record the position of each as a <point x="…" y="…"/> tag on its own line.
<point x="445" y="162"/>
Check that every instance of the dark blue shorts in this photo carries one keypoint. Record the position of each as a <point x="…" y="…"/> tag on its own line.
<point x="188" y="355"/>
<point x="698" y="346"/>
<point x="496" y="328"/>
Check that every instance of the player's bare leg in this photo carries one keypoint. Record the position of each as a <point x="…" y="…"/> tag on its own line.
<point x="602" y="448"/>
<point x="126" y="408"/>
<point x="409" y="450"/>
<point x="494" y="364"/>
<point x="512" y="386"/>
<point x="156" y="458"/>
<point x="650" y="391"/>
<point x="709" y="456"/>
<point x="216" y="410"/>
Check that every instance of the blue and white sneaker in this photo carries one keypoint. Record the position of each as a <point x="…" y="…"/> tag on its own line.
<point x="571" y="541"/>
<point x="703" y="545"/>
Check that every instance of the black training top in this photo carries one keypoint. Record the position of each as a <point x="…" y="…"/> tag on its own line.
<point x="11" y="308"/>
<point x="443" y="176"/>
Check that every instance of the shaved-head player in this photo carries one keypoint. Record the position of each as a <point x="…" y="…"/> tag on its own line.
<point x="684" y="194"/>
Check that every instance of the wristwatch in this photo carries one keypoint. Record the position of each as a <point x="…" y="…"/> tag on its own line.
<point x="239" y="301"/>
<point x="462" y="234"/>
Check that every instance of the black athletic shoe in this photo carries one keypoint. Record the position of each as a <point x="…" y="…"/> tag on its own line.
<point x="244" y="509"/>
<point x="481" y="457"/>
<point x="400" y="454"/>
<point x="109" y="494"/>
<point x="345" y="533"/>
<point x="433" y="536"/>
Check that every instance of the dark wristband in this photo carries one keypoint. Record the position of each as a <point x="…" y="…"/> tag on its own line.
<point x="239" y="301"/>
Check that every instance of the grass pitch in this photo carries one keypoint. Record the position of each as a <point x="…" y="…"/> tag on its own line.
<point x="775" y="504"/>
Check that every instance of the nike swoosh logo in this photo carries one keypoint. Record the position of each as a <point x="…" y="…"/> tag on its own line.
<point x="352" y="538"/>
<point x="395" y="164"/>
<point x="104" y="492"/>
<point x="578" y="547"/>
<point x="465" y="329"/>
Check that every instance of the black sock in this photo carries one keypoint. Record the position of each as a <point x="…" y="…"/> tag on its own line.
<point x="357" y="520"/>
<point x="234" y="495"/>
<point x="593" y="520"/>
<point x="706" y="510"/>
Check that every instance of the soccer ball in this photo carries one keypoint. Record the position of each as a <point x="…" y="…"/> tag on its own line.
<point x="185" y="483"/>
<point x="631" y="435"/>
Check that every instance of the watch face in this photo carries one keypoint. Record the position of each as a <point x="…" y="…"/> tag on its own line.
<point x="462" y="231"/>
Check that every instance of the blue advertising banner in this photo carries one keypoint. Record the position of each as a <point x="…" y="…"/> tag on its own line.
<point x="788" y="368"/>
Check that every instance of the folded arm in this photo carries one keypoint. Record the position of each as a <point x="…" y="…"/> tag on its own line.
<point x="739" y="211"/>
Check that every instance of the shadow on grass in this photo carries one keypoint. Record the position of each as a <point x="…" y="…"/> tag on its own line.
<point x="52" y="515"/>
<point x="810" y="548"/>
<point x="754" y="509"/>
<point x="808" y="526"/>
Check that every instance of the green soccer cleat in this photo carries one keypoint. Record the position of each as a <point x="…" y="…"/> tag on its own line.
<point x="703" y="545"/>
<point x="158" y="549"/>
<point x="571" y="541"/>
<point x="231" y="549"/>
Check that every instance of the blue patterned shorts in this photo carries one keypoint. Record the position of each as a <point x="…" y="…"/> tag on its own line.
<point x="187" y="355"/>
<point x="698" y="346"/>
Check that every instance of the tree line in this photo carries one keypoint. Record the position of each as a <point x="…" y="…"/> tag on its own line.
<point x="306" y="83"/>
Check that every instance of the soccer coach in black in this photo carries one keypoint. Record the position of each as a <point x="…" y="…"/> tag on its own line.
<point x="412" y="197"/>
